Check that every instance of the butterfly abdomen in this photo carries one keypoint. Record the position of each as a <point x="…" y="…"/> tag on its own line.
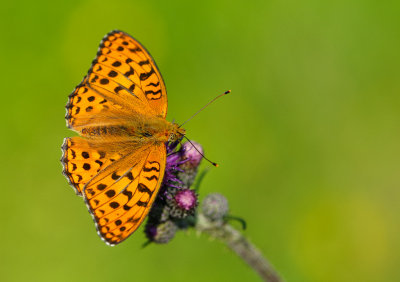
<point x="103" y="131"/>
<point x="152" y="132"/>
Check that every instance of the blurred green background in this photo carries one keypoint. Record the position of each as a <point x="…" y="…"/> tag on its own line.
<point x="308" y="142"/>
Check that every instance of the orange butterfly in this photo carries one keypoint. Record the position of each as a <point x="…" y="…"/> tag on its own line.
<point x="118" y="162"/>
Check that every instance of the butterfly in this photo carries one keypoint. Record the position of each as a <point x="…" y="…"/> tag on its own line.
<point x="117" y="163"/>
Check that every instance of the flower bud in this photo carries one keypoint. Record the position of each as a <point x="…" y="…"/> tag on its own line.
<point x="159" y="212"/>
<point x="215" y="206"/>
<point x="191" y="159"/>
<point x="189" y="152"/>
<point x="161" y="233"/>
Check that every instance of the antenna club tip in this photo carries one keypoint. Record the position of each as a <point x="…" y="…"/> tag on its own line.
<point x="227" y="92"/>
<point x="215" y="164"/>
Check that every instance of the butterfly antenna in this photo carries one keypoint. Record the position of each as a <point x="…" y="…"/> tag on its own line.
<point x="220" y="95"/>
<point x="214" y="164"/>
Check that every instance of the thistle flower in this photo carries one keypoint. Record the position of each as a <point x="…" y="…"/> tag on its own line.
<point x="182" y="203"/>
<point x="176" y="203"/>
<point x="182" y="164"/>
<point x="175" y="209"/>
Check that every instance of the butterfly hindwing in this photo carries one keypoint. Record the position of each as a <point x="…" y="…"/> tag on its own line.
<point x="82" y="159"/>
<point x="120" y="196"/>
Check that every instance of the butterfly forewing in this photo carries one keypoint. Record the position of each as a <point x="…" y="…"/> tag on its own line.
<point x="122" y="81"/>
<point x="128" y="62"/>
<point x="87" y="106"/>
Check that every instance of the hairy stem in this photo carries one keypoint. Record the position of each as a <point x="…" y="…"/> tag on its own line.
<point x="239" y="244"/>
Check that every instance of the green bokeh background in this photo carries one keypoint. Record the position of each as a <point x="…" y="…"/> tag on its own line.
<point x="308" y="142"/>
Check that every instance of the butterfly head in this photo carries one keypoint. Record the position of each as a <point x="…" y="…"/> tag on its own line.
<point x="175" y="133"/>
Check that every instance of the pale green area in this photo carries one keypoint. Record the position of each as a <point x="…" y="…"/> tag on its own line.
<point x="308" y="142"/>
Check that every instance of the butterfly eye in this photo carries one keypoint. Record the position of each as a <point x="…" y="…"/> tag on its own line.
<point x="172" y="137"/>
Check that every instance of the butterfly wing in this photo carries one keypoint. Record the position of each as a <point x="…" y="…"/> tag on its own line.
<point x="84" y="158"/>
<point x="89" y="105"/>
<point x="122" y="80"/>
<point x="123" y="57"/>
<point x="118" y="181"/>
<point x="120" y="196"/>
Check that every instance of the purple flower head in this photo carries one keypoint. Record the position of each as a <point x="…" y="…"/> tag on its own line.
<point x="182" y="164"/>
<point x="186" y="199"/>
<point x="182" y="202"/>
<point x="175" y="205"/>
<point x="174" y="160"/>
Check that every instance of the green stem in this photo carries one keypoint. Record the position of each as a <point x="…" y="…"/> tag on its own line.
<point x="240" y="245"/>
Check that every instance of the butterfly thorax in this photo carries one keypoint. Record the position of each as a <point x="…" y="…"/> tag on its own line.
<point x="153" y="130"/>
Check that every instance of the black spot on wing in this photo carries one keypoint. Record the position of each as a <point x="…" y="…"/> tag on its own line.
<point x="152" y="92"/>
<point x="104" y="81"/>
<point x="116" y="64"/>
<point x="115" y="176"/>
<point x="112" y="73"/>
<point x="153" y="84"/>
<point x="129" y="175"/>
<point x="110" y="193"/>
<point x="127" y="193"/>
<point x="146" y="75"/>
<point x="130" y="72"/>
<point x="142" y="63"/>
<point x="152" y="178"/>
<point x="141" y="204"/>
<point x="101" y="187"/>
<point x="117" y="89"/>
<point x="144" y="189"/>
<point x="147" y="169"/>
<point x="114" y="205"/>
